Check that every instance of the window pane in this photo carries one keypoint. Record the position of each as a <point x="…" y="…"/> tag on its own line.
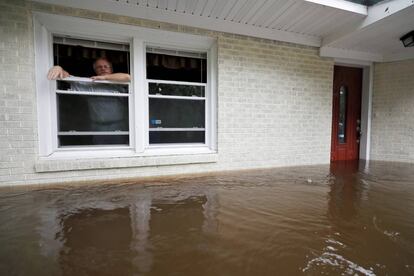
<point x="163" y="137"/>
<point x="91" y="86"/>
<point x="92" y="113"/>
<point x="176" y="68"/>
<point x="86" y="140"/>
<point x="176" y="90"/>
<point x="78" y="60"/>
<point x="173" y="113"/>
<point x="342" y="115"/>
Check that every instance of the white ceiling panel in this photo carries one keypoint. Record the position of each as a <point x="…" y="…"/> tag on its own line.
<point x="190" y="6"/>
<point x="304" y="20"/>
<point x="382" y="37"/>
<point x="222" y="14"/>
<point x="163" y="4"/>
<point x="255" y="9"/>
<point x="152" y="3"/>
<point x="198" y="8"/>
<point x="248" y="6"/>
<point x="218" y="9"/>
<point x="268" y="15"/>
<point x="323" y="23"/>
<point x="292" y="16"/>
<point x="181" y="6"/>
<point x="262" y="12"/>
<point x="239" y="4"/>
<point x="208" y="8"/>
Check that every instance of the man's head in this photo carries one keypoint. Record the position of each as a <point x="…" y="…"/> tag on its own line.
<point x="102" y="67"/>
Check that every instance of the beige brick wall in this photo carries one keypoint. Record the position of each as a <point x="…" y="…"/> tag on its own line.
<point x="392" y="106"/>
<point x="18" y="139"/>
<point x="274" y="104"/>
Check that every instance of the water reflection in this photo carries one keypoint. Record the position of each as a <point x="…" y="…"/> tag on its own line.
<point x="95" y="242"/>
<point x="345" y="192"/>
<point x="347" y="218"/>
<point x="140" y="213"/>
<point x="124" y="230"/>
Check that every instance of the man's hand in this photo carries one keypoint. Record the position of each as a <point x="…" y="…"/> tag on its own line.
<point x="57" y="72"/>
<point x="99" y="77"/>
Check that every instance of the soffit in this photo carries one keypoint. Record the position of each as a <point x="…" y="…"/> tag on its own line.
<point x="310" y="22"/>
<point x="382" y="38"/>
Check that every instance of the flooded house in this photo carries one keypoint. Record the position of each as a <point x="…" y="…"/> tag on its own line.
<point x="214" y="86"/>
<point x="206" y="137"/>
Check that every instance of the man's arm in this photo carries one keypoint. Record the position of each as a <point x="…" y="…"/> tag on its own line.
<point x="57" y="72"/>
<point x="114" y="77"/>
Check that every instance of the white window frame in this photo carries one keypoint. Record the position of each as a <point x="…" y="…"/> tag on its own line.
<point x="46" y="25"/>
<point x="88" y="93"/>
<point x="206" y="114"/>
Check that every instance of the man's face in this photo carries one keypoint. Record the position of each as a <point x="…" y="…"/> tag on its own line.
<point x="102" y="67"/>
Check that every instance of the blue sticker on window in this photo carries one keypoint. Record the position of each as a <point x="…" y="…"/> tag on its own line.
<point x="155" y="122"/>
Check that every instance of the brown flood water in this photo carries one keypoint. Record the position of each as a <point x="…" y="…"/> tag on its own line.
<point x="343" y="219"/>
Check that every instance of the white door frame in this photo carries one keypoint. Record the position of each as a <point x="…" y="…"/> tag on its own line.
<point x="366" y="103"/>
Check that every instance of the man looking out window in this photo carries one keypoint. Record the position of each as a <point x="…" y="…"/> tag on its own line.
<point x="106" y="113"/>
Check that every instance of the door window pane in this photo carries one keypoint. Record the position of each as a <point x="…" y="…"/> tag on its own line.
<point x="342" y="115"/>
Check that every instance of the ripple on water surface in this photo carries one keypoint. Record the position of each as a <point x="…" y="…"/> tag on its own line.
<point x="346" y="218"/>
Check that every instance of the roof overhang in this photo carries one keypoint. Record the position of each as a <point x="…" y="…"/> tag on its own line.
<point x="339" y="27"/>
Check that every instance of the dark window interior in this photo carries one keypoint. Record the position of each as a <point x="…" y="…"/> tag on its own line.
<point x="172" y="113"/>
<point x="96" y="140"/>
<point x="176" y="68"/>
<point x="80" y="113"/>
<point x="92" y="113"/>
<point x="78" y="60"/>
<point x="164" y="137"/>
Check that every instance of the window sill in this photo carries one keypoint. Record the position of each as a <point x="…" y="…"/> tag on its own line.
<point x="51" y="164"/>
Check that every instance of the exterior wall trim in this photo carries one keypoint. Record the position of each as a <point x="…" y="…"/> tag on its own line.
<point x="132" y="162"/>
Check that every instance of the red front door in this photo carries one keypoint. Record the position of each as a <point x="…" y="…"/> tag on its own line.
<point x="346" y="113"/>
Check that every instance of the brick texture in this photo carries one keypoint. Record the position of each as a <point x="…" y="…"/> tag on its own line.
<point x="18" y="146"/>
<point x="274" y="102"/>
<point x="392" y="106"/>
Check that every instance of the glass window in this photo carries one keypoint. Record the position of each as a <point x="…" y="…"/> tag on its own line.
<point x="342" y="114"/>
<point x="176" y="89"/>
<point x="175" y="111"/>
<point x="163" y="137"/>
<point x="91" y="112"/>
<point x="175" y="65"/>
<point x="169" y="89"/>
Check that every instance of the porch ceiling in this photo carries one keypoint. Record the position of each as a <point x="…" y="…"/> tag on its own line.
<point x="340" y="28"/>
